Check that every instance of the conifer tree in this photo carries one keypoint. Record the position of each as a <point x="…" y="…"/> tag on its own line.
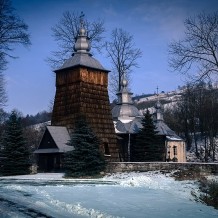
<point x="85" y="159"/>
<point x="147" y="147"/>
<point x="14" y="150"/>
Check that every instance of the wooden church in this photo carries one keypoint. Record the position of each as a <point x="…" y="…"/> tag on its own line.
<point x="127" y="122"/>
<point x="81" y="88"/>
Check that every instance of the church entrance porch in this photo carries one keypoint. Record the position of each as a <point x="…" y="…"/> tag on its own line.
<point x="49" y="162"/>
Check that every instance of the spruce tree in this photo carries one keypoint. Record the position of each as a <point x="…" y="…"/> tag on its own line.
<point x="14" y="150"/>
<point x="147" y="146"/>
<point x="85" y="159"/>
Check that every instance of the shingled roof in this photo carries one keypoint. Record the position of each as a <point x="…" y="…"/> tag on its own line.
<point x="60" y="136"/>
<point x="163" y="129"/>
<point x="161" y="126"/>
<point x="82" y="55"/>
<point x="132" y="126"/>
<point x="82" y="59"/>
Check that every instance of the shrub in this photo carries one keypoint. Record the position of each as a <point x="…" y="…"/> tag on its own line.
<point x="209" y="192"/>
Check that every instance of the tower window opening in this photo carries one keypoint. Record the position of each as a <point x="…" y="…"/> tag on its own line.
<point x="174" y="150"/>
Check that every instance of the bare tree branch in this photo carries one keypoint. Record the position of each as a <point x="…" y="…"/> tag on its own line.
<point x="65" y="33"/>
<point x="123" y="55"/>
<point x="199" y="48"/>
<point x="3" y="96"/>
<point x="13" y="31"/>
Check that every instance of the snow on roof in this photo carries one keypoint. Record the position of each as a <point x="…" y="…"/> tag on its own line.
<point x="177" y="138"/>
<point x="125" y="119"/>
<point x="130" y="127"/>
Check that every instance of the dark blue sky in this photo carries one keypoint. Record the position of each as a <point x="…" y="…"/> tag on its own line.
<point x="153" y="23"/>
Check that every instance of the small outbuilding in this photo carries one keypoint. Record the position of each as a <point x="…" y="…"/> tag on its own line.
<point x="175" y="146"/>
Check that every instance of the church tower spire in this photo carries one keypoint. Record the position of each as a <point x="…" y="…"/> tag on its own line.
<point x="159" y="109"/>
<point x="124" y="96"/>
<point x="81" y="88"/>
<point x="125" y="109"/>
<point x="82" y="44"/>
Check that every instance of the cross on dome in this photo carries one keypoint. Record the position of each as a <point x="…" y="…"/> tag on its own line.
<point x="82" y="44"/>
<point x="81" y="19"/>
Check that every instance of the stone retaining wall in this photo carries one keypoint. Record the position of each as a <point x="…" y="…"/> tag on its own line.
<point x="114" y="167"/>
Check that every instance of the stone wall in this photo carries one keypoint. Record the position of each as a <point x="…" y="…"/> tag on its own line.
<point x="115" y="167"/>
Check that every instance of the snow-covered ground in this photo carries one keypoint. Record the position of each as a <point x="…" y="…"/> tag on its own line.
<point x="149" y="194"/>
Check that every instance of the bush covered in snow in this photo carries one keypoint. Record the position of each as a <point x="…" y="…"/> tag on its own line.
<point x="209" y="193"/>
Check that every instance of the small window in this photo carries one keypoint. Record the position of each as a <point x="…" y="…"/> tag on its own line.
<point x="174" y="150"/>
<point x="106" y="149"/>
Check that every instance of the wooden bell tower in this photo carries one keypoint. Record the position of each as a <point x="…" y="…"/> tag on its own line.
<point x="81" y="88"/>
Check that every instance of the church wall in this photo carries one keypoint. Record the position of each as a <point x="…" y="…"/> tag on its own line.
<point x="79" y="74"/>
<point x="176" y="149"/>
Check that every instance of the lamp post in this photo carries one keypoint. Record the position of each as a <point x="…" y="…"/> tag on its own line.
<point x="129" y="141"/>
<point x="168" y="153"/>
<point x="129" y="148"/>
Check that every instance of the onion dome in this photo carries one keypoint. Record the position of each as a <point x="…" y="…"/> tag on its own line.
<point x="125" y="108"/>
<point x="82" y="41"/>
<point x="81" y="55"/>
<point x="158" y="115"/>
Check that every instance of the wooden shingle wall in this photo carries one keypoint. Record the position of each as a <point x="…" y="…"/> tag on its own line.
<point x="84" y="91"/>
